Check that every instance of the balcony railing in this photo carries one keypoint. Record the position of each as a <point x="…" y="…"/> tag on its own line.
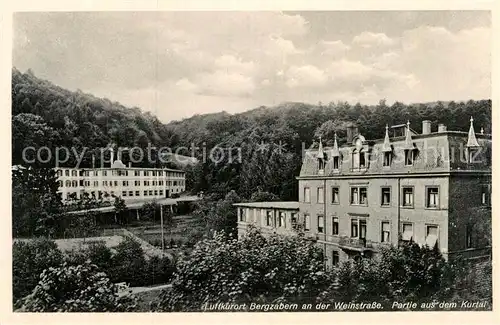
<point x="355" y="243"/>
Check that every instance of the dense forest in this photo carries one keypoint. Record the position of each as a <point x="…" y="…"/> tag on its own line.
<point x="44" y="114"/>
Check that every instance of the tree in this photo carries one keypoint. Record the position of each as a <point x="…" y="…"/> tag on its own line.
<point x="80" y="288"/>
<point x="253" y="269"/>
<point x="261" y="196"/>
<point x="129" y="263"/>
<point x="119" y="206"/>
<point x="218" y="215"/>
<point x="406" y="273"/>
<point x="36" y="204"/>
<point x="29" y="259"/>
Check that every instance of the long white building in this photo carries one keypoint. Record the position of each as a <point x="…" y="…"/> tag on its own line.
<point x="129" y="183"/>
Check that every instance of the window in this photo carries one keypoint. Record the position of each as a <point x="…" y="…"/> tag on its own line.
<point x="335" y="195"/>
<point x="124" y="193"/>
<point x="363" y="195"/>
<point x="156" y="192"/>
<point x="137" y="193"/>
<point x="320" y="224"/>
<point x="432" y="197"/>
<point x="409" y="157"/>
<point x="137" y="173"/>
<point x="355" y="160"/>
<point x="359" y="195"/>
<point x="130" y="193"/>
<point x="386" y="232"/>
<point x="407" y="231"/>
<point x="336" y="163"/>
<point x="387" y="159"/>
<point x="294" y="219"/>
<point x="112" y="193"/>
<point x="66" y="172"/>
<point x="145" y="193"/>
<point x="431" y="236"/>
<point x="161" y="192"/>
<point x="335" y="226"/>
<point x="321" y="164"/>
<point x="354" y="228"/>
<point x="468" y="236"/>
<point x="269" y="218"/>
<point x="68" y="183"/>
<point x="146" y="173"/>
<point x="146" y="183"/>
<point x="362" y="229"/>
<point x="96" y="183"/>
<point x="335" y="258"/>
<point x="321" y="195"/>
<point x="307" y="195"/>
<point x="74" y="173"/>
<point x="125" y="183"/>
<point x="150" y="192"/>
<point x="74" y="183"/>
<point x="104" y="173"/>
<point x="281" y="219"/>
<point x="307" y="222"/>
<point x="354" y="195"/>
<point x="485" y="198"/>
<point x="243" y="214"/>
<point x="105" y="183"/>
<point x="362" y="160"/>
<point x="408" y="196"/>
<point x="386" y="196"/>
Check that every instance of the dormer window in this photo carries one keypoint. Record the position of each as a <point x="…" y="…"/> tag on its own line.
<point x="409" y="157"/>
<point x="362" y="160"/>
<point x="387" y="158"/>
<point x="321" y="164"/>
<point x="336" y="163"/>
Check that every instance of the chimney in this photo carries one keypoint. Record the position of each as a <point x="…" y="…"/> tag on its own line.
<point x="441" y="128"/>
<point x="426" y="127"/>
<point x="352" y="131"/>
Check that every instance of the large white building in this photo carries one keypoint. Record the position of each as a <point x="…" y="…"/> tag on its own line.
<point x="129" y="183"/>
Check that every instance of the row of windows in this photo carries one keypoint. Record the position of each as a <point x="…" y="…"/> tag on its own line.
<point x="360" y="160"/>
<point x="358" y="229"/>
<point x="359" y="196"/>
<point x="67" y="172"/>
<point x="115" y="183"/>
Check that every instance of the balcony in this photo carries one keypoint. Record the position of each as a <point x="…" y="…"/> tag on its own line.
<point x="357" y="244"/>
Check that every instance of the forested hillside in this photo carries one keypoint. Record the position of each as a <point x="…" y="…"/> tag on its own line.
<point x="45" y="114"/>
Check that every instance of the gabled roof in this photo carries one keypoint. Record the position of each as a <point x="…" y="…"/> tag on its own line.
<point x="472" y="141"/>
<point x="335" y="150"/>
<point x="386" y="146"/>
<point x="408" y="139"/>
<point x="321" y="153"/>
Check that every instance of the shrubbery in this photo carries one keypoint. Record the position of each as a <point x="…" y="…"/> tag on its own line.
<point x="253" y="269"/>
<point x="29" y="259"/>
<point x="127" y="265"/>
<point x="80" y="288"/>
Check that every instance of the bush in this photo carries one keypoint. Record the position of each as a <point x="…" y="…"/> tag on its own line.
<point x="80" y="288"/>
<point x="29" y="259"/>
<point x="129" y="263"/>
<point x="159" y="270"/>
<point x="253" y="269"/>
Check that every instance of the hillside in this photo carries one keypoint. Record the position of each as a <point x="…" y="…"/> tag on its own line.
<point x="44" y="114"/>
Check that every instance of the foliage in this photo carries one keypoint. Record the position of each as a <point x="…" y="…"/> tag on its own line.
<point x="36" y="205"/>
<point x="218" y="215"/>
<point x="159" y="270"/>
<point x="406" y="273"/>
<point x="29" y="259"/>
<point x="252" y="269"/>
<point x="128" y="263"/>
<point x="261" y="196"/>
<point x="81" y="288"/>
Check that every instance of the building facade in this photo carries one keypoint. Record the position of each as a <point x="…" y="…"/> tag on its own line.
<point x="429" y="188"/>
<point x="129" y="183"/>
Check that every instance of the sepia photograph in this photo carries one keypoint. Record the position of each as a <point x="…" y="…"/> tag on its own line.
<point x="251" y="161"/>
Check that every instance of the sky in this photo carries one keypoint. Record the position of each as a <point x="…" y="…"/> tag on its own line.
<point x="178" y="64"/>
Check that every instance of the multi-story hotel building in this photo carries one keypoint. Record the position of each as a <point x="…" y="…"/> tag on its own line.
<point x="423" y="187"/>
<point x="129" y="183"/>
